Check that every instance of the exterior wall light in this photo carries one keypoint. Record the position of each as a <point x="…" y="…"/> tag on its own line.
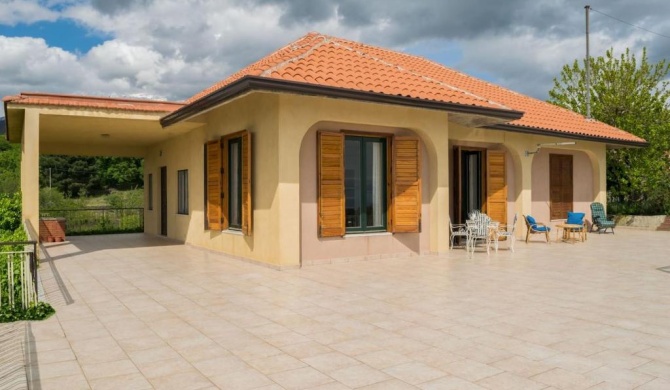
<point x="540" y="146"/>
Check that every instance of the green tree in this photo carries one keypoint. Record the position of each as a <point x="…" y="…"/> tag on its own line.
<point x="10" y="161"/>
<point x="632" y="95"/>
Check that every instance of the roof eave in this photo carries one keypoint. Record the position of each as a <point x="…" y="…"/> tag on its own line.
<point x="256" y="83"/>
<point x="583" y="137"/>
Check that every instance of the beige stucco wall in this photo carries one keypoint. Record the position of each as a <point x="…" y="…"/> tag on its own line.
<point x="300" y="118"/>
<point x="256" y="113"/>
<point x="585" y="187"/>
<point x="284" y="129"/>
<point x="353" y="246"/>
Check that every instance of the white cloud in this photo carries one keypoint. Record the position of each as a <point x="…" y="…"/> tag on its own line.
<point x="24" y="11"/>
<point x="174" y="48"/>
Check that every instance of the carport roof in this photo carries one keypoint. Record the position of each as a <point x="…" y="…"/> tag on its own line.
<point x="63" y="100"/>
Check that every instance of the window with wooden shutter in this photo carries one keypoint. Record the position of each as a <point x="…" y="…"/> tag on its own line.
<point x="406" y="183"/>
<point x="236" y="205"/>
<point x="496" y="186"/>
<point x="560" y="185"/>
<point x="213" y="177"/>
<point x="330" y="184"/>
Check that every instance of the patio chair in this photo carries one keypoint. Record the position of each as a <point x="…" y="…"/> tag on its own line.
<point x="535" y="227"/>
<point x="456" y="230"/>
<point x="479" y="229"/>
<point x="599" y="218"/>
<point x="506" y="231"/>
<point x="575" y="218"/>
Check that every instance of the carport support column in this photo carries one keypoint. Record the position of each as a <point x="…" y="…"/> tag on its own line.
<point x="30" y="167"/>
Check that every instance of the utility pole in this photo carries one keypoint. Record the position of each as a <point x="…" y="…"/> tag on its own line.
<point x="588" y="66"/>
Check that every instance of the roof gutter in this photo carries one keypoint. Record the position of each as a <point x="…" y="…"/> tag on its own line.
<point x="554" y="133"/>
<point x="255" y="83"/>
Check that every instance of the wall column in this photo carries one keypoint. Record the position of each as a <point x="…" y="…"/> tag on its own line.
<point x="30" y="167"/>
<point x="437" y="145"/>
<point x="288" y="194"/>
<point x="523" y="167"/>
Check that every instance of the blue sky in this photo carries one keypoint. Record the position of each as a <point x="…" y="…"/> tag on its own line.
<point x="171" y="49"/>
<point x="62" y="33"/>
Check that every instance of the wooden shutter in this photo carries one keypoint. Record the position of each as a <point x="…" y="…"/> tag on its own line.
<point x="214" y="185"/>
<point x="406" y="160"/>
<point x="457" y="187"/>
<point x="330" y="184"/>
<point x="560" y="185"/>
<point x="496" y="186"/>
<point x="247" y="210"/>
<point x="225" y="194"/>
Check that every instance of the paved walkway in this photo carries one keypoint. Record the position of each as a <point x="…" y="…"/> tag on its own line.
<point x="136" y="312"/>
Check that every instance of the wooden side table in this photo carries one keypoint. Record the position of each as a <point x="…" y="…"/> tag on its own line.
<point x="570" y="232"/>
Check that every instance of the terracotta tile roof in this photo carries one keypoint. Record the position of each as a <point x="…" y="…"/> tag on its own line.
<point x="48" y="99"/>
<point x="331" y="61"/>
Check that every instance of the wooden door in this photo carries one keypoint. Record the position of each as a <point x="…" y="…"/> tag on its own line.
<point x="560" y="185"/>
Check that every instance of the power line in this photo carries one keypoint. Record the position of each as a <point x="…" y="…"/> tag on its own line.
<point x="630" y="24"/>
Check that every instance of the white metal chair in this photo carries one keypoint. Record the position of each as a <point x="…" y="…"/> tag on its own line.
<point x="457" y="230"/>
<point x="506" y="231"/>
<point x="479" y="229"/>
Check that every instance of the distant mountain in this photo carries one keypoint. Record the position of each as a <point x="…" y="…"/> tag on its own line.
<point x="2" y="126"/>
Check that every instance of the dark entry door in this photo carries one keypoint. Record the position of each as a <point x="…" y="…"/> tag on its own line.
<point x="164" y="201"/>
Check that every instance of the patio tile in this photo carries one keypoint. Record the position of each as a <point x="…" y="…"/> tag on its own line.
<point x="522" y="366"/>
<point x="358" y="376"/>
<point x="617" y="359"/>
<point x="71" y="382"/>
<point x="655" y="368"/>
<point x="58" y="369"/>
<point x="174" y="311"/>
<point x="160" y="368"/>
<point x="391" y="384"/>
<point x="109" y="369"/>
<point x="507" y="381"/>
<point x="383" y="359"/>
<point x="301" y="378"/>
<point x="241" y="379"/>
<point x="566" y="380"/>
<point x="276" y="363"/>
<point x="330" y="361"/>
<point x="188" y="380"/>
<point x="471" y="370"/>
<point x="450" y="383"/>
<point x="222" y="364"/>
<point x="135" y="381"/>
<point x="620" y="376"/>
<point x="656" y="384"/>
<point x="414" y="372"/>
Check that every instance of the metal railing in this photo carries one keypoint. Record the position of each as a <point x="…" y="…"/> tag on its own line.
<point x="18" y="274"/>
<point x="99" y="220"/>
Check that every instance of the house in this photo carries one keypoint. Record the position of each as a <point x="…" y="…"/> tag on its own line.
<point x="330" y="149"/>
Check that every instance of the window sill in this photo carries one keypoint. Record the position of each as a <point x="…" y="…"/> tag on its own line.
<point x="233" y="232"/>
<point x="182" y="215"/>
<point x="368" y="234"/>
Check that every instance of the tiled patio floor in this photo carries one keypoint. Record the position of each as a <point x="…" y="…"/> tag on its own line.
<point x="136" y="312"/>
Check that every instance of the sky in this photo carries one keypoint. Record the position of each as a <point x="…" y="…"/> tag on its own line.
<point x="172" y="49"/>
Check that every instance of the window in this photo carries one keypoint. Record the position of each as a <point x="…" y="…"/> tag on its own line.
<point x="560" y="185"/>
<point x="150" y="191"/>
<point x="182" y="187"/>
<point x="235" y="184"/>
<point x="365" y="183"/>
<point x="228" y="183"/>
